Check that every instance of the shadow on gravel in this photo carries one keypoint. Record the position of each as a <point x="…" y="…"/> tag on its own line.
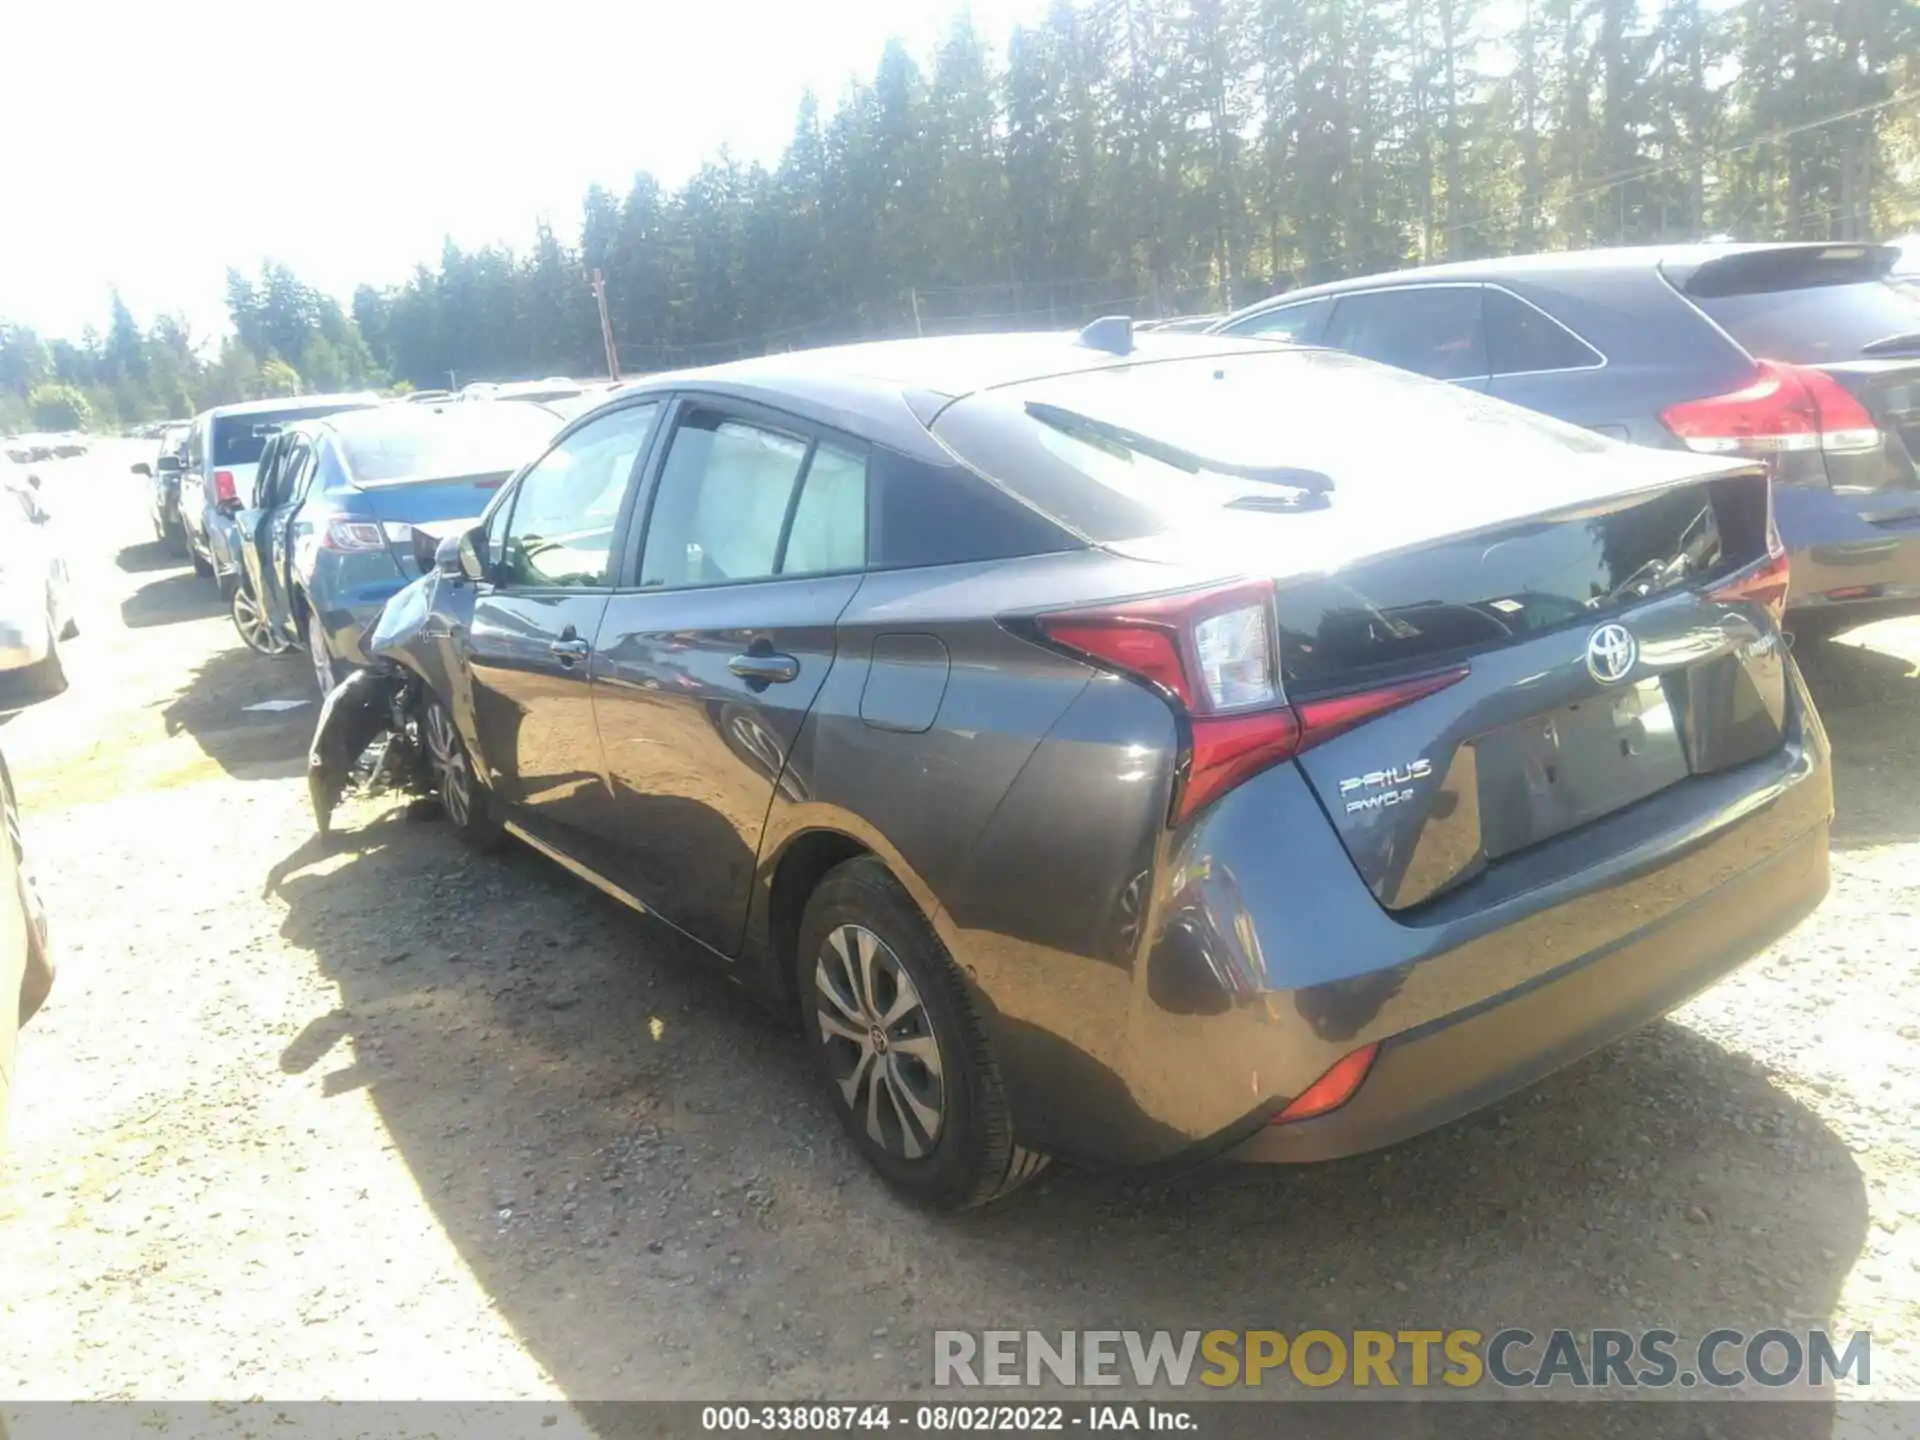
<point x="247" y="744"/>
<point x="1870" y="701"/>
<point x="181" y="596"/>
<point x="138" y="559"/>
<point x="637" y="1166"/>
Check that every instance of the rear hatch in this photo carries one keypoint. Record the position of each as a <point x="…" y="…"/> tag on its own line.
<point x="1835" y="310"/>
<point x="1594" y="659"/>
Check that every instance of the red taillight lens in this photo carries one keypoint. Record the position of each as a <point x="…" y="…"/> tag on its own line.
<point x="1785" y="408"/>
<point x="224" y="490"/>
<point x="1212" y="653"/>
<point x="1333" y="1089"/>
<point x="343" y="534"/>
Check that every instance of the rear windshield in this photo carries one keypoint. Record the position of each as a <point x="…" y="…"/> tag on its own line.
<point x="419" y="443"/>
<point x="1164" y="443"/>
<point x="1456" y="597"/>
<point x="239" y="439"/>
<point x="1817" y="323"/>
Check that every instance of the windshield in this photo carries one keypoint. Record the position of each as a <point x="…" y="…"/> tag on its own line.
<point x="421" y="443"/>
<point x="1819" y="322"/>
<point x="239" y="439"/>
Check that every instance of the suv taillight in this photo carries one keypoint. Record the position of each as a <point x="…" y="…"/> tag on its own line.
<point x="1786" y="408"/>
<point x="1214" y="656"/>
<point x="224" y="492"/>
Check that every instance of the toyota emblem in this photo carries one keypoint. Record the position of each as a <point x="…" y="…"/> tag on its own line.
<point x="1611" y="651"/>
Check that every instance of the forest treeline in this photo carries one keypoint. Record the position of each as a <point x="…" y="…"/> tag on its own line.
<point x="1155" y="155"/>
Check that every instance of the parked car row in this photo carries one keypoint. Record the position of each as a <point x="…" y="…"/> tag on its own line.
<point x="299" y="509"/>
<point x="36" y="590"/>
<point x="31" y="449"/>
<point x="1139" y="745"/>
<point x="1803" y="357"/>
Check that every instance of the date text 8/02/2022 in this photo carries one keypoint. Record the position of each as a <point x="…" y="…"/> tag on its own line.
<point x="1510" y="1358"/>
<point x="939" y="1418"/>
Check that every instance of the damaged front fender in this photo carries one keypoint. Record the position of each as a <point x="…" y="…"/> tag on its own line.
<point x="352" y="717"/>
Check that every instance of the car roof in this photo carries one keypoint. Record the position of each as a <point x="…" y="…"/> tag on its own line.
<point x="1676" y="261"/>
<point x="890" y="390"/>
<point x="288" y="403"/>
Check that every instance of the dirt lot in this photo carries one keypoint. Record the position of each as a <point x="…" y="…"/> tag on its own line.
<point x="387" y="1120"/>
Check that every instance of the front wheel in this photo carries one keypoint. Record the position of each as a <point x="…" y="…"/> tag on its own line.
<point x="907" y="1060"/>
<point x="466" y="803"/>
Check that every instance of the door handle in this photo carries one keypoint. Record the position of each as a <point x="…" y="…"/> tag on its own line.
<point x="767" y="669"/>
<point x="569" y="652"/>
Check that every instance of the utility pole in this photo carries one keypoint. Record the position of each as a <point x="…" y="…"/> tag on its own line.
<point x="913" y="298"/>
<point x="453" y="380"/>
<point x="606" y="324"/>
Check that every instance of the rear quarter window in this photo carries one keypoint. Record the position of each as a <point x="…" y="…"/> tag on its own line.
<point x="925" y="514"/>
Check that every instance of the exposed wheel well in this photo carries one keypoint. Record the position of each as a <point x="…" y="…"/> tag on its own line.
<point x="803" y="865"/>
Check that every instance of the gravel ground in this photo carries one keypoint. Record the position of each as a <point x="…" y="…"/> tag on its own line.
<point x="388" y="1120"/>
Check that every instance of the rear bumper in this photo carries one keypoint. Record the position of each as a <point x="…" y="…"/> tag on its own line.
<point x="1839" y="559"/>
<point x="22" y="645"/>
<point x="1269" y="960"/>
<point x="1426" y="1077"/>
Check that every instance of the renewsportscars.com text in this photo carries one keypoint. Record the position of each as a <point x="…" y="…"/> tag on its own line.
<point x="1510" y="1358"/>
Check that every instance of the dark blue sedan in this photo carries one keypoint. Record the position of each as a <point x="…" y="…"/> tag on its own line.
<point x="330" y="536"/>
<point x="1805" y="356"/>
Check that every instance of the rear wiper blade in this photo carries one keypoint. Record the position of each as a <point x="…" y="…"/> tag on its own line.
<point x="1905" y="343"/>
<point x="1072" y="422"/>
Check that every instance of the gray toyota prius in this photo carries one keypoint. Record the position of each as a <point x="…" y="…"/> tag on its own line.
<point x="1134" y="746"/>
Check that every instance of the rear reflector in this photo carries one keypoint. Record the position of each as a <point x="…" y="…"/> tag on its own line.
<point x="1331" y="1090"/>
<point x="1785" y="408"/>
<point x="1213" y="655"/>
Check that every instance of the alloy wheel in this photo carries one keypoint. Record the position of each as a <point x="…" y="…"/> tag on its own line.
<point x="449" y="763"/>
<point x="251" y="621"/>
<point x="880" y="1041"/>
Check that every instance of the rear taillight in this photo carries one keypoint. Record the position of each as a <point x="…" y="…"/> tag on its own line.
<point x="224" y="490"/>
<point x="1213" y="654"/>
<point x="1762" y="583"/>
<point x="1331" y="1090"/>
<point x="1786" y="408"/>
<point x="340" y="533"/>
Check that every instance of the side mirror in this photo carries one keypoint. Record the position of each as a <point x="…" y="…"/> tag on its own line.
<point x="169" y="465"/>
<point x="140" y="467"/>
<point x="473" y="553"/>
<point x="33" y="479"/>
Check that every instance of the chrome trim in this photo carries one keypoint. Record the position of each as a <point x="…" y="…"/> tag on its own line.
<point x="567" y="862"/>
<point x="1491" y="375"/>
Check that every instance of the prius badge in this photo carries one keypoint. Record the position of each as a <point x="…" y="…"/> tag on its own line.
<point x="1378" y="789"/>
<point x="1611" y="651"/>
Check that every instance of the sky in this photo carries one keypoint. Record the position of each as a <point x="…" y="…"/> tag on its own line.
<point x="153" y="145"/>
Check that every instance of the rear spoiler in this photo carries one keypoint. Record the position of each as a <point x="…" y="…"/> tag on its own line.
<point x="1782" y="267"/>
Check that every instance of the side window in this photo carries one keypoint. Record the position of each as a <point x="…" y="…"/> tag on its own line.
<point x="721" y="504"/>
<point x="559" y="529"/>
<point x="296" y="470"/>
<point x="194" y="450"/>
<point x="927" y="514"/>
<point x="829" y="530"/>
<point x="1432" y="330"/>
<point x="1521" y="339"/>
<point x="1299" y="323"/>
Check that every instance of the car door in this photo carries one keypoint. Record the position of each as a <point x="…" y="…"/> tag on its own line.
<point x="1433" y="330"/>
<point x="527" y="649"/>
<point x="714" y="647"/>
<point x="251" y="521"/>
<point x="292" y="484"/>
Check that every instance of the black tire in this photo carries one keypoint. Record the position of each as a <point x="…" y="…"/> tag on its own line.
<point x="250" y="624"/>
<point x="466" y="802"/>
<point x="175" y="539"/>
<point x="971" y="1156"/>
<point x="202" y="568"/>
